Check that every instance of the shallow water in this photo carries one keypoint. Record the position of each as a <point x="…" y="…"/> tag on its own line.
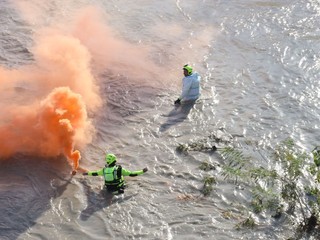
<point x="259" y="62"/>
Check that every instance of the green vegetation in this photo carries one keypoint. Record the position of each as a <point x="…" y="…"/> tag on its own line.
<point x="287" y="188"/>
<point x="208" y="181"/>
<point x="206" y="166"/>
<point x="247" y="223"/>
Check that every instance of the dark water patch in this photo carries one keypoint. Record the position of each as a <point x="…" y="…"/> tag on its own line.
<point x="27" y="185"/>
<point x="98" y="200"/>
<point x="177" y="115"/>
<point x="16" y="37"/>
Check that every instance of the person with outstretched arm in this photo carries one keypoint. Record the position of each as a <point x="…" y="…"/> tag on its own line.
<point x="114" y="174"/>
<point x="190" y="85"/>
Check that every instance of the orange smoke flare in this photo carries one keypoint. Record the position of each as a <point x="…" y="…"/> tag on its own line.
<point x="44" y="105"/>
<point x="62" y="116"/>
<point x="49" y="130"/>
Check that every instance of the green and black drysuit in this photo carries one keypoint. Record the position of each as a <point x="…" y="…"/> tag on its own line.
<point x="113" y="177"/>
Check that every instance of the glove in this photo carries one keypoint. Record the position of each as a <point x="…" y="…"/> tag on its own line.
<point x="145" y="170"/>
<point x="178" y="101"/>
<point x="85" y="173"/>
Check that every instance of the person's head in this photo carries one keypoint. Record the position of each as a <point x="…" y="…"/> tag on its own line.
<point x="110" y="159"/>
<point x="187" y="70"/>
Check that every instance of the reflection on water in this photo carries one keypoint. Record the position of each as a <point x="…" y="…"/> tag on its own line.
<point x="27" y="186"/>
<point x="177" y="115"/>
<point x="95" y="201"/>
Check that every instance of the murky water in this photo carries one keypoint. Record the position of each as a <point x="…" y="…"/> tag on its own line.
<point x="259" y="62"/>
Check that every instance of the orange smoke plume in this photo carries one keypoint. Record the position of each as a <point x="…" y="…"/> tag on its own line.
<point x="49" y="129"/>
<point x="61" y="120"/>
<point x="44" y="105"/>
<point x="111" y="52"/>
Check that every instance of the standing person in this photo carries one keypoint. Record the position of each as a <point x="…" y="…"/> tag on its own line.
<point x="113" y="174"/>
<point x="190" y="85"/>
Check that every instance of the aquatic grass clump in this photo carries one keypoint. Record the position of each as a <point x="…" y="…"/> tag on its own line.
<point x="196" y="146"/>
<point x="316" y="156"/>
<point x="292" y="160"/>
<point x="182" y="148"/>
<point x="265" y="199"/>
<point x="208" y="144"/>
<point x="247" y="223"/>
<point x="206" y="166"/>
<point x="279" y="194"/>
<point x="208" y="181"/>
<point x="235" y="164"/>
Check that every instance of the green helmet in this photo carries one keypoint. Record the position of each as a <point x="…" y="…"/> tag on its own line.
<point x="188" y="68"/>
<point x="110" y="158"/>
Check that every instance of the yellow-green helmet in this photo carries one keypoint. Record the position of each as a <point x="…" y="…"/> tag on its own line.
<point x="110" y="158"/>
<point x="188" y="68"/>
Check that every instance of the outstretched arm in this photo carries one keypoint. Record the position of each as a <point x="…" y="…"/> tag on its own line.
<point x="94" y="173"/>
<point x="126" y="172"/>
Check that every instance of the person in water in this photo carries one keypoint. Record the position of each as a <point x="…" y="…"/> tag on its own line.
<point x="113" y="174"/>
<point x="190" y="85"/>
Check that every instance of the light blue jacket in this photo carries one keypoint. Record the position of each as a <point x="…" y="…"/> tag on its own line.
<point x="190" y="87"/>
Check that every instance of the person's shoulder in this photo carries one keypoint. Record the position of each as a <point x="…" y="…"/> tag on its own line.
<point x="197" y="75"/>
<point x="194" y="75"/>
